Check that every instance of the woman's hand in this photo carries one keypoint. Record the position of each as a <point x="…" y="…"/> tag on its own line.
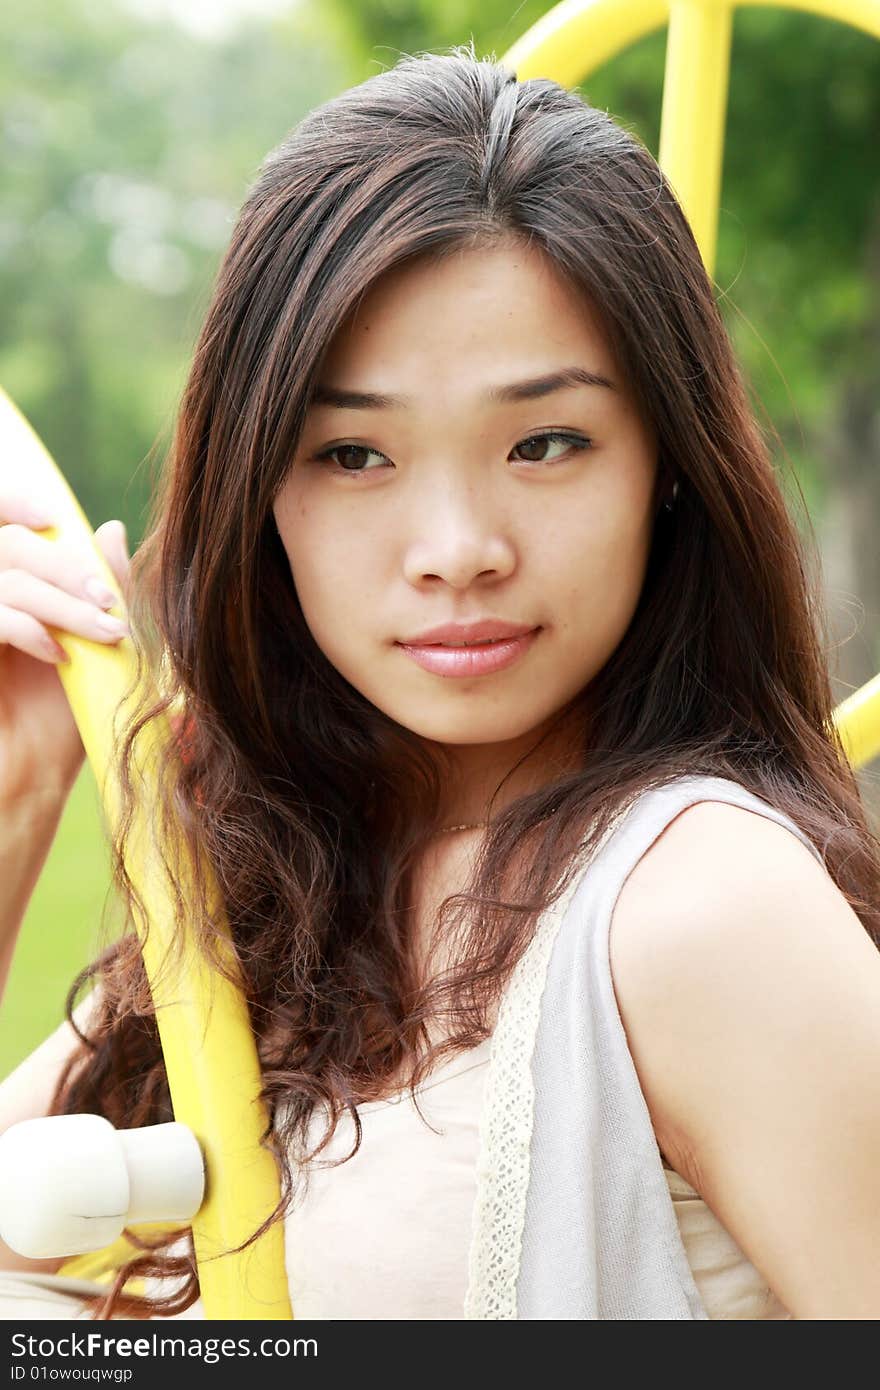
<point x="43" y="584"/>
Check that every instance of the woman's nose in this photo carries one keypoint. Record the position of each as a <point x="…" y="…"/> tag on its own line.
<point x="459" y="537"/>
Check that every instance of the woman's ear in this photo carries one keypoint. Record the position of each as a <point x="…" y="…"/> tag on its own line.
<point x="667" y="490"/>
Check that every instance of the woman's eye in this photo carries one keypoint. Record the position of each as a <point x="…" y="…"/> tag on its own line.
<point x="351" y="458"/>
<point x="348" y="456"/>
<point x="536" y="446"/>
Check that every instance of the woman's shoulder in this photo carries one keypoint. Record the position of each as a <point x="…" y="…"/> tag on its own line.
<point x="718" y="815"/>
<point x="681" y="840"/>
<point x="692" y="896"/>
<point x="707" y="937"/>
<point x="720" y="867"/>
<point x="749" y="991"/>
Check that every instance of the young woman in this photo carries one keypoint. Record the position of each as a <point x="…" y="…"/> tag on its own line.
<point x="471" y="569"/>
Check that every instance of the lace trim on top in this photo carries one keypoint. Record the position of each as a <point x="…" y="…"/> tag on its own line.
<point x="503" y="1160"/>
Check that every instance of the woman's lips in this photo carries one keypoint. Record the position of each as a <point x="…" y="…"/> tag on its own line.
<point x="478" y="660"/>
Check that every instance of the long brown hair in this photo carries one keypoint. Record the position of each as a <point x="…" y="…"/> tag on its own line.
<point x="311" y="805"/>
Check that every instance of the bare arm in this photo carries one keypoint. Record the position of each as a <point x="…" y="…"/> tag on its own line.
<point x="28" y="825"/>
<point x="750" y="994"/>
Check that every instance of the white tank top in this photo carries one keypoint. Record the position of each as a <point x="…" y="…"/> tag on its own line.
<point x="386" y="1234"/>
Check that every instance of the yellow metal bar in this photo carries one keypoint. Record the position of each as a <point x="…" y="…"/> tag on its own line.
<point x="858" y="722"/>
<point x="578" y="36"/>
<point x="694" y="111"/>
<point x="204" y="1027"/>
<point x="101" y="1265"/>
<point x="859" y="14"/>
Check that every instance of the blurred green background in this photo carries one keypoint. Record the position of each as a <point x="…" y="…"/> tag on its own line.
<point x="130" y="134"/>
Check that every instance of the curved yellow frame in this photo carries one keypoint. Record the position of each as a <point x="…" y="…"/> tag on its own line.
<point x="207" y="1042"/>
<point x="208" y="1047"/>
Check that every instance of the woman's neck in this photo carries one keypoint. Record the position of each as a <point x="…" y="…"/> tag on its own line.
<point x="486" y="778"/>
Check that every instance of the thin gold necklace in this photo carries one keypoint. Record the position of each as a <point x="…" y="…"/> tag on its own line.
<point x="475" y="825"/>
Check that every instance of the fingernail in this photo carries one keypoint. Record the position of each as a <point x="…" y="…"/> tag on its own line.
<point x="55" y="650"/>
<point x="34" y="517"/>
<point x="111" y="624"/>
<point x="99" y="593"/>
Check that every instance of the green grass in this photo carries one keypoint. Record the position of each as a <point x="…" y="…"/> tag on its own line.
<point x="60" y="932"/>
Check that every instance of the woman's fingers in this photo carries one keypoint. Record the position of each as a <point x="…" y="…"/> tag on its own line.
<point x="17" y="508"/>
<point x="24" y="592"/>
<point x="27" y="635"/>
<point x="55" y="562"/>
<point x="113" y="541"/>
<point x="47" y="583"/>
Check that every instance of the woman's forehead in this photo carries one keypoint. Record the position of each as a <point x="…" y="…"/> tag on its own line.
<point x="484" y="323"/>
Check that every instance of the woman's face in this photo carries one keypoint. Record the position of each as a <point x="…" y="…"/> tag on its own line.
<point x="446" y="502"/>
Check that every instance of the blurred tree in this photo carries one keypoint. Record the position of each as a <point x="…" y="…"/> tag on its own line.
<point x="127" y="149"/>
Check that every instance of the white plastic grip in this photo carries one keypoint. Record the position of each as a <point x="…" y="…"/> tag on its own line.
<point x="71" y="1183"/>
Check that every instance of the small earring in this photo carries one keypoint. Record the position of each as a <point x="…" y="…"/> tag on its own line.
<point x="669" y="504"/>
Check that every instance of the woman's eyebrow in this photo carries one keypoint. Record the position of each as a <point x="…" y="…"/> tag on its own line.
<point x="564" y="379"/>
